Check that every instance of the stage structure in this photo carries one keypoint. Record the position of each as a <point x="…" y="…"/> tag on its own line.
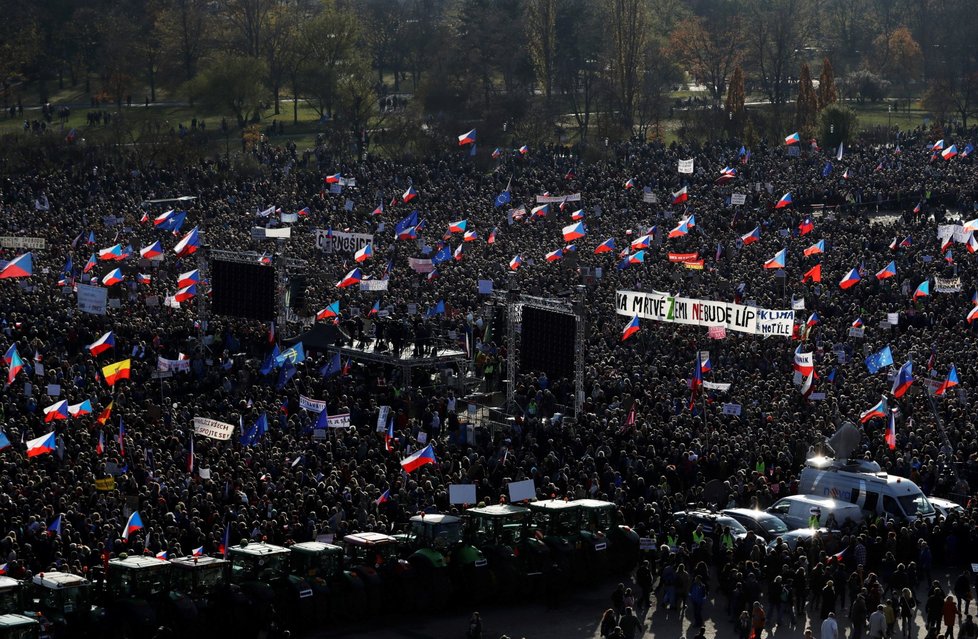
<point x="545" y="334"/>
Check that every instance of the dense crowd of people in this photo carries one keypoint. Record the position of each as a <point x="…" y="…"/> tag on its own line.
<point x="877" y="579"/>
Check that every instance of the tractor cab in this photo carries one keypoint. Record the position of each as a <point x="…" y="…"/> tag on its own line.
<point x="11" y="595"/>
<point x="516" y="558"/>
<point x="16" y="626"/>
<point x="134" y="589"/>
<point x="262" y="572"/>
<point x="601" y="530"/>
<point x="64" y="600"/>
<point x="558" y="524"/>
<point x="205" y="582"/>
<point x="320" y="565"/>
<point x="387" y="579"/>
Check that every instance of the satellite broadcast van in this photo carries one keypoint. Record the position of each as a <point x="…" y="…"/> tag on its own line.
<point x="862" y="482"/>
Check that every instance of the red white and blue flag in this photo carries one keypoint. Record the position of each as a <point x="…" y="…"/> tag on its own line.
<point x="424" y="456"/>
<point x="879" y="410"/>
<point x="903" y="380"/>
<point x="631" y="328"/>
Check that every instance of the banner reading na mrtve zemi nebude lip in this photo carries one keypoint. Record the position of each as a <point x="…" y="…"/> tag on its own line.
<point x="661" y="307"/>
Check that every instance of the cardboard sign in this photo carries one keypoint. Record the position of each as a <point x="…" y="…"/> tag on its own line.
<point x="738" y="199"/>
<point x="731" y="409"/>
<point x="54" y="390"/>
<point x="686" y="166"/>
<point x="92" y="299"/>
<point x="105" y="485"/>
<point x="520" y="490"/>
<point x="382" y="414"/>
<point x="857" y="331"/>
<point x="485" y="287"/>
<point x="461" y="494"/>
<point x="213" y="428"/>
<point x="339" y="421"/>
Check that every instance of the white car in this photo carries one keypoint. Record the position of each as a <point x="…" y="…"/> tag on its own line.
<point x="945" y="507"/>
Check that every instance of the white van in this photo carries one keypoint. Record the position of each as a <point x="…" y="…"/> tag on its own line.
<point x="796" y="510"/>
<point x="862" y="483"/>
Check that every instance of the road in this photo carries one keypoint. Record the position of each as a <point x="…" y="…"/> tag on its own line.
<point x="577" y="618"/>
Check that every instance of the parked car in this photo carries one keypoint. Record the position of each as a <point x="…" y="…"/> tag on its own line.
<point x="763" y="524"/>
<point x="796" y="510"/>
<point x="801" y="535"/>
<point x="945" y="507"/>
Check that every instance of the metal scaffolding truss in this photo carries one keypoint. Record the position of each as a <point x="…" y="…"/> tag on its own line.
<point x="515" y="302"/>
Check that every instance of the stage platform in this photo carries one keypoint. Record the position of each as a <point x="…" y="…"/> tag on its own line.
<point x="405" y="360"/>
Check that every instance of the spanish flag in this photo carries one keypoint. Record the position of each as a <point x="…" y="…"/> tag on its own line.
<point x="115" y="372"/>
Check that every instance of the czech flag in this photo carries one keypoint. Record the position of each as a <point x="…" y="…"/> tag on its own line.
<point x="524" y="150"/>
<point x="845" y="174"/>
<point x="102" y="344"/>
<point x="374" y="309"/>
<point x="457" y="253"/>
<point x="162" y="218"/>
<point x="470" y="236"/>
<point x="114" y="372"/>
<point x="950" y="382"/>
<point x="42" y="445"/>
<point x="515" y="263"/>
<point x="333" y="179"/>
<point x="188" y="278"/>
<point x="631" y="328"/>
<point x="55" y="527"/>
<point x="113" y="253"/>
<point x="890" y="436"/>
<point x="80" y="410"/>
<point x="351" y="278"/>
<point x="813" y="274"/>
<point x="681" y="230"/>
<point x="778" y="261"/>
<point x="577" y="215"/>
<point x="496" y="153"/>
<point x="152" y="251"/>
<point x="56" y="411"/>
<point x="938" y="145"/>
<point x="492" y="236"/>
<point x="972" y="243"/>
<point x="409" y="195"/>
<point x="467" y="138"/>
<point x="637" y="258"/>
<point x="726" y="174"/>
<point x="424" y="456"/>
<point x="540" y="211"/>
<point x="806" y="226"/>
<point x="90" y="264"/>
<point x="144" y="278"/>
<point x="858" y="323"/>
<point x="198" y="552"/>
<point x="972" y="316"/>
<point x="113" y="277"/>
<point x="784" y="201"/>
<point x="949" y="152"/>
<point x="680" y="196"/>
<point x="458" y="227"/>
<point x="20" y="266"/>
<point x="903" y="380"/>
<point x="813" y="319"/>
<point x="384" y="497"/>
<point x="333" y="310"/>
<point x="553" y="256"/>
<point x="879" y="410"/>
<point x="753" y="236"/>
<point x="185" y="293"/>
<point x="135" y="523"/>
<point x="188" y="245"/>
<point x="888" y="271"/>
<point x="851" y="279"/>
<point x="574" y="232"/>
<point x="815" y="249"/>
<point x="923" y="290"/>
<point x="605" y="247"/>
<point x="642" y="242"/>
<point x="794" y="138"/>
<point x="630" y="184"/>
<point x="365" y="253"/>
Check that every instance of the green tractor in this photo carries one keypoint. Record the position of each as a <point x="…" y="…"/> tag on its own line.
<point x="17" y="626"/>
<point x="137" y="594"/>
<point x="65" y="603"/>
<point x="602" y="532"/>
<point x="428" y="544"/>
<point x="389" y="581"/>
<point x="205" y="581"/>
<point x="338" y="594"/>
<point x="516" y="559"/>
<point x="262" y="572"/>
<point x="558" y="523"/>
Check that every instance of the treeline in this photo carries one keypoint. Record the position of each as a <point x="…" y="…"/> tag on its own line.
<point x="579" y="69"/>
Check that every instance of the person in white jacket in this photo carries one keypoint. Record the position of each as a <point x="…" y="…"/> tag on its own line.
<point x="830" y="628"/>
<point x="877" y="623"/>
